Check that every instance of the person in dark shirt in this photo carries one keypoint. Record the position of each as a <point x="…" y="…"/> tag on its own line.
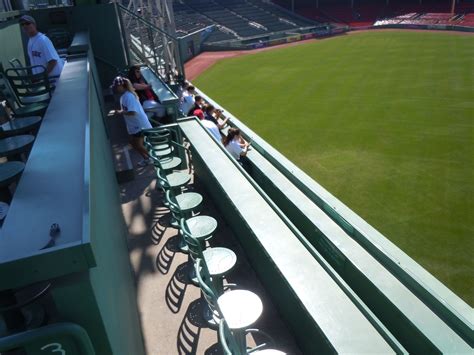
<point x="147" y="97"/>
<point x="211" y="114"/>
<point x="198" y="105"/>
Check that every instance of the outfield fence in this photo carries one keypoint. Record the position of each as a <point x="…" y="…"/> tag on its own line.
<point x="426" y="27"/>
<point x="273" y="39"/>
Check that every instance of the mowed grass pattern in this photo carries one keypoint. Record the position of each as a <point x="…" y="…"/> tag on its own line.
<point x="384" y="121"/>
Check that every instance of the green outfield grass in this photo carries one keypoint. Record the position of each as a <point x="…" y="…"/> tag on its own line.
<point x="384" y="121"/>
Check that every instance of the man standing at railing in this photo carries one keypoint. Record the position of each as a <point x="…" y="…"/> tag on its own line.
<point x="40" y="48"/>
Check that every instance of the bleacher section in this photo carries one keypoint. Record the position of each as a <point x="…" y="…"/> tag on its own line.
<point x="282" y="13"/>
<point x="187" y="20"/>
<point x="225" y="17"/>
<point x="430" y="18"/>
<point x="467" y="20"/>
<point x="234" y="18"/>
<point x="220" y="34"/>
<point x="256" y="14"/>
<point x="394" y="13"/>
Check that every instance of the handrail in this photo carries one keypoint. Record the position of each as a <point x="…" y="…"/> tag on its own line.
<point x="78" y="335"/>
<point x="149" y="24"/>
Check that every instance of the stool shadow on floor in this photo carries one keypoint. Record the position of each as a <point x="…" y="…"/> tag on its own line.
<point x="190" y="328"/>
<point x="176" y="288"/>
<point x="214" y="349"/>
<point x="157" y="232"/>
<point x="160" y="225"/>
<point x="164" y="259"/>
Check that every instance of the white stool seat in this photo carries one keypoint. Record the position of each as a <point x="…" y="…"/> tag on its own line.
<point x="240" y="308"/>
<point x="219" y="260"/>
<point x="188" y="201"/>
<point x="201" y="227"/>
<point x="269" y="352"/>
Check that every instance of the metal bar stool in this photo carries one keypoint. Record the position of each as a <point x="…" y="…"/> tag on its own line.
<point x="231" y="347"/>
<point x="196" y="230"/>
<point x="20" y="126"/>
<point x="14" y="147"/>
<point x="240" y="308"/>
<point x="161" y="151"/>
<point x="218" y="261"/>
<point x="10" y="172"/>
<point x="174" y="181"/>
<point x="182" y="206"/>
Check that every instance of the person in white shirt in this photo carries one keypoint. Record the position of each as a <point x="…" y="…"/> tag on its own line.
<point x="235" y="143"/>
<point x="135" y="118"/>
<point x="40" y="49"/>
<point x="213" y="129"/>
<point x="187" y="99"/>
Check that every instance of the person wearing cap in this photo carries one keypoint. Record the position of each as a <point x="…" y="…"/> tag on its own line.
<point x="40" y="48"/>
<point x="135" y="118"/>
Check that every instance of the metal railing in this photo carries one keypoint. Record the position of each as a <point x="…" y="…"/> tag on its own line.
<point x="151" y="45"/>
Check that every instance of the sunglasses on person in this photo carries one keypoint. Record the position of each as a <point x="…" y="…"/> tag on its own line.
<point x="24" y="24"/>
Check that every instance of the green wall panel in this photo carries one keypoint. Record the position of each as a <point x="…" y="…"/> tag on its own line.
<point x="11" y="43"/>
<point x="112" y="279"/>
<point x="75" y="301"/>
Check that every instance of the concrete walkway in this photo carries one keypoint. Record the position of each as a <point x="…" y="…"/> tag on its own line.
<point x="169" y="305"/>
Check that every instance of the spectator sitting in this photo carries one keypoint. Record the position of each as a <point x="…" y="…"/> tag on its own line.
<point x="40" y="49"/>
<point x="147" y="97"/>
<point x="210" y="114"/>
<point x="198" y="104"/>
<point x="135" y="118"/>
<point x="181" y="88"/>
<point x="235" y="143"/>
<point x="187" y="99"/>
<point x="213" y="129"/>
<point x="198" y="113"/>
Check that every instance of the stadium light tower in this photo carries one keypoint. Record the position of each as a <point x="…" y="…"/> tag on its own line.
<point x="151" y="32"/>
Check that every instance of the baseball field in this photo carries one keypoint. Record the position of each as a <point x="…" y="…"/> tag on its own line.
<point x="384" y="121"/>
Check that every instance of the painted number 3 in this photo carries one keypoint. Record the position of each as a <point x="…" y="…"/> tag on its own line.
<point x="54" y="348"/>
